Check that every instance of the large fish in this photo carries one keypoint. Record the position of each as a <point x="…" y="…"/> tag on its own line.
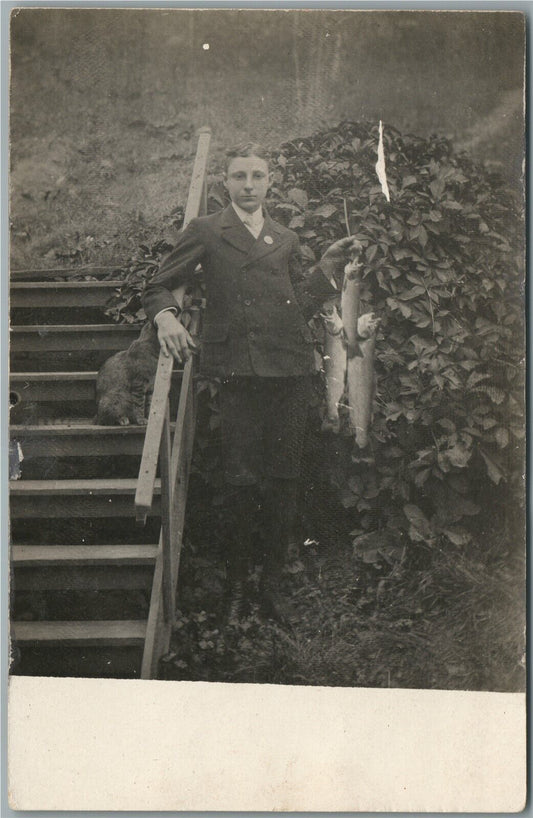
<point x="351" y="292"/>
<point x="334" y="365"/>
<point x="361" y="380"/>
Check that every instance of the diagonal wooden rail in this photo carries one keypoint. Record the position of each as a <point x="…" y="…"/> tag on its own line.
<point x="172" y="453"/>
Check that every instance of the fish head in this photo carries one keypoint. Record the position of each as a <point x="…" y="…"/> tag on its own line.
<point x="332" y="321"/>
<point x="352" y="271"/>
<point x="367" y="324"/>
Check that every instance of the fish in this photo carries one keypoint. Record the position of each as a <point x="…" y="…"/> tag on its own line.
<point x="351" y="290"/>
<point x="334" y="365"/>
<point x="361" y="380"/>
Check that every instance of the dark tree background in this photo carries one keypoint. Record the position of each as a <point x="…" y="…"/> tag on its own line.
<point x="105" y="103"/>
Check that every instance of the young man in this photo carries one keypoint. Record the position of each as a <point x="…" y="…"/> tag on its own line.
<point x="256" y="340"/>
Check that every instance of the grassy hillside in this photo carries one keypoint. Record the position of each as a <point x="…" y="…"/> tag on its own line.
<point x="105" y="103"/>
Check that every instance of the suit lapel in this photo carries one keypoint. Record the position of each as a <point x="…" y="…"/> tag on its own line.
<point x="234" y="232"/>
<point x="269" y="240"/>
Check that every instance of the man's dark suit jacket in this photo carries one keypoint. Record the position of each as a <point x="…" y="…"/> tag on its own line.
<point x="258" y="298"/>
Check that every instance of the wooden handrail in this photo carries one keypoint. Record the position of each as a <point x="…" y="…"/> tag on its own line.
<point x="145" y="487"/>
<point x="196" y="201"/>
<point x="173" y="455"/>
<point x="152" y="440"/>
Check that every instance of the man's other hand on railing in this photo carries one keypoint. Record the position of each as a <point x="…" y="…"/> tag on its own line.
<point x="173" y="337"/>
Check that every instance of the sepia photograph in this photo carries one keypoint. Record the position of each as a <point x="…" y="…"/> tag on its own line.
<point x="267" y="409"/>
<point x="266" y="385"/>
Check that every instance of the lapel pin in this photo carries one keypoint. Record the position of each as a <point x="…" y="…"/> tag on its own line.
<point x="269" y="240"/>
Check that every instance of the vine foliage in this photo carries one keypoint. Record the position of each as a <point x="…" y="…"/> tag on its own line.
<point x="444" y="270"/>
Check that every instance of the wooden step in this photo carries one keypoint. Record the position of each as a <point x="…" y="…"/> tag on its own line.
<point x="94" y="531"/>
<point x="92" y="271"/>
<point x="49" y="555"/>
<point x="86" y="661"/>
<point x="59" y="386"/>
<point x="82" y="578"/>
<point x="53" y="386"/>
<point x="105" y="632"/>
<point x="53" y="294"/>
<point x="73" y="337"/>
<point x="72" y="488"/>
<point x="75" y="498"/>
<point x="78" y="440"/>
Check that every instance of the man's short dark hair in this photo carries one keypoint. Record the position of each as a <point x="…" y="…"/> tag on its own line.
<point x="246" y="149"/>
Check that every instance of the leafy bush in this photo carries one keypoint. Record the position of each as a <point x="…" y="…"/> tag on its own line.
<point x="126" y="304"/>
<point x="443" y="268"/>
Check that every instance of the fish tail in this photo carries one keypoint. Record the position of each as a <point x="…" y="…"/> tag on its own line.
<point x="354" y="350"/>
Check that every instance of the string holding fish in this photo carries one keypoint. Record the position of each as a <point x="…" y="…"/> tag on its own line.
<point x="348" y="231"/>
<point x="357" y="246"/>
<point x="380" y="165"/>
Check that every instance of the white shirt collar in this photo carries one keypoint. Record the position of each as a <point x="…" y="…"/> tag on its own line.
<point x="255" y="219"/>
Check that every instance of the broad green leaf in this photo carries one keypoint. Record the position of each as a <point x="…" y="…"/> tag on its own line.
<point x="297" y="221"/>
<point x="502" y="437"/>
<point x="422" y="476"/>
<point x="457" y="456"/>
<point x="325" y="210"/>
<point x="476" y="377"/>
<point x="458" y="536"/>
<point x="299" y="196"/>
<point x="307" y="252"/>
<point x="493" y="470"/>
<point x="420" y="528"/>
<point x="451" y="204"/>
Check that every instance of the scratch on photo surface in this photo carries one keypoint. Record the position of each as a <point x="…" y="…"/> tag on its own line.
<point x="15" y="459"/>
<point x="380" y="165"/>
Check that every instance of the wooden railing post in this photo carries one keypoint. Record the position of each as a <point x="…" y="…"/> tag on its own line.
<point x="152" y="440"/>
<point x="174" y="459"/>
<point x="167" y="532"/>
<point x="147" y="471"/>
<point x="204" y="197"/>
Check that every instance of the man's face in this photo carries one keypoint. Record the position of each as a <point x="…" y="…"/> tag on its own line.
<point x="247" y="181"/>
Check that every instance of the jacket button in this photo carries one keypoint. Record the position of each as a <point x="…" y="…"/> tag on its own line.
<point x="247" y="302"/>
<point x="251" y="335"/>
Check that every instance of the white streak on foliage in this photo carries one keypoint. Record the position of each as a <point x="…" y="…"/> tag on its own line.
<point x="380" y="165"/>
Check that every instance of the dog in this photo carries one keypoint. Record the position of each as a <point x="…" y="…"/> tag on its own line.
<point x="125" y="382"/>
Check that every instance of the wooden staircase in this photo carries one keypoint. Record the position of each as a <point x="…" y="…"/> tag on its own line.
<point x="90" y="586"/>
<point x="66" y="475"/>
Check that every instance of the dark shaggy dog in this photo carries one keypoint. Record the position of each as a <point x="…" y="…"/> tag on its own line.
<point x="125" y="382"/>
